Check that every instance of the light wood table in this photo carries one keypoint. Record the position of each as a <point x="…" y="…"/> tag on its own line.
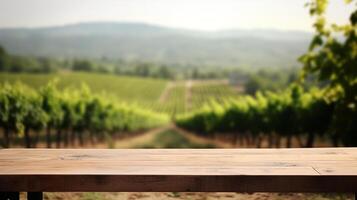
<point x="176" y="170"/>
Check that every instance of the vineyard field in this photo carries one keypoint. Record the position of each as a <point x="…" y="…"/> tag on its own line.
<point x="174" y="101"/>
<point x="188" y="96"/>
<point x="144" y="91"/>
<point x="205" y="93"/>
<point x="169" y="97"/>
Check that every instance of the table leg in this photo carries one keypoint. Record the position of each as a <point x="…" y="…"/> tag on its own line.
<point x="10" y="195"/>
<point x="34" y="196"/>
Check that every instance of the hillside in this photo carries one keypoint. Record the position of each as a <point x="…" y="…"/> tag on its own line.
<point x="136" y="41"/>
<point x="128" y="89"/>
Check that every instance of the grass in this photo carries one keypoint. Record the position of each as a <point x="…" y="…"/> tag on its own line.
<point x="143" y="91"/>
<point x="124" y="87"/>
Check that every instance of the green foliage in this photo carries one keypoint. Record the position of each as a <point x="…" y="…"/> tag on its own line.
<point x="290" y="113"/>
<point x="83" y="65"/>
<point x="271" y="80"/>
<point x="9" y="63"/>
<point x="23" y="109"/>
<point x="14" y="107"/>
<point x="333" y="57"/>
<point x="51" y="104"/>
<point x="175" y="101"/>
<point x="144" y="92"/>
<point x="203" y="93"/>
<point x="327" y="112"/>
<point x="4" y="60"/>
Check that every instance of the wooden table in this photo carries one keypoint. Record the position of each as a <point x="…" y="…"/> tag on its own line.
<point x="177" y="170"/>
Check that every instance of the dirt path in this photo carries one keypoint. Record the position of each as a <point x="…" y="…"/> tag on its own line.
<point x="139" y="140"/>
<point x="201" y="140"/>
<point x="145" y="138"/>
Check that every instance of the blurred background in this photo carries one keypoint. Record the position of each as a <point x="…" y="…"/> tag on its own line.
<point x="178" y="74"/>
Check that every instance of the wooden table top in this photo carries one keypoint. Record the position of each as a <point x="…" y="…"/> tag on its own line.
<point x="201" y="170"/>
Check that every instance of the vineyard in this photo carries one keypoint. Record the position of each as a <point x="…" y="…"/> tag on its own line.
<point x="70" y="108"/>
<point x="116" y="104"/>
<point x="327" y="112"/>
<point x="159" y="95"/>
<point x="205" y="107"/>
<point x="141" y="90"/>
<point x="185" y="97"/>
<point x="68" y="115"/>
<point x="174" y="101"/>
<point x="292" y="114"/>
<point x="203" y="93"/>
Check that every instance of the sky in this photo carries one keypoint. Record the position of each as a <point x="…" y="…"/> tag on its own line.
<point x="207" y="15"/>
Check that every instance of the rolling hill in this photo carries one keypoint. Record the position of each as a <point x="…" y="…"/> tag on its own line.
<point x="137" y="41"/>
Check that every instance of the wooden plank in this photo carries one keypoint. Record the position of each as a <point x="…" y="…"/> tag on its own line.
<point x="100" y="169"/>
<point x="158" y="155"/>
<point x="330" y="151"/>
<point x="169" y="183"/>
<point x="175" y="170"/>
<point x="337" y="170"/>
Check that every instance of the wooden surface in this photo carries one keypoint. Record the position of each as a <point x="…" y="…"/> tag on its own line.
<point x="175" y="170"/>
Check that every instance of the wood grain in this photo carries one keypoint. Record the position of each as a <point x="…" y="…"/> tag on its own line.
<point x="177" y="170"/>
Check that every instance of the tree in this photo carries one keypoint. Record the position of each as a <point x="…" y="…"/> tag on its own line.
<point x="195" y="73"/>
<point x="143" y="69"/>
<point x="165" y="72"/>
<point x="4" y="60"/>
<point x="253" y="85"/>
<point x="47" y="65"/>
<point x="83" y="65"/>
<point x="334" y="59"/>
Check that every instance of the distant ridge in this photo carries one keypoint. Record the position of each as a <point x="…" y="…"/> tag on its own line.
<point x="140" y="41"/>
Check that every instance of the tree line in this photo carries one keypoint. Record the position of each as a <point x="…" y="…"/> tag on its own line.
<point x="17" y="64"/>
<point x="262" y="79"/>
<point x="67" y="115"/>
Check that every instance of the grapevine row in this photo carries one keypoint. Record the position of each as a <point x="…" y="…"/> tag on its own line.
<point x="67" y="115"/>
<point x="294" y="113"/>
